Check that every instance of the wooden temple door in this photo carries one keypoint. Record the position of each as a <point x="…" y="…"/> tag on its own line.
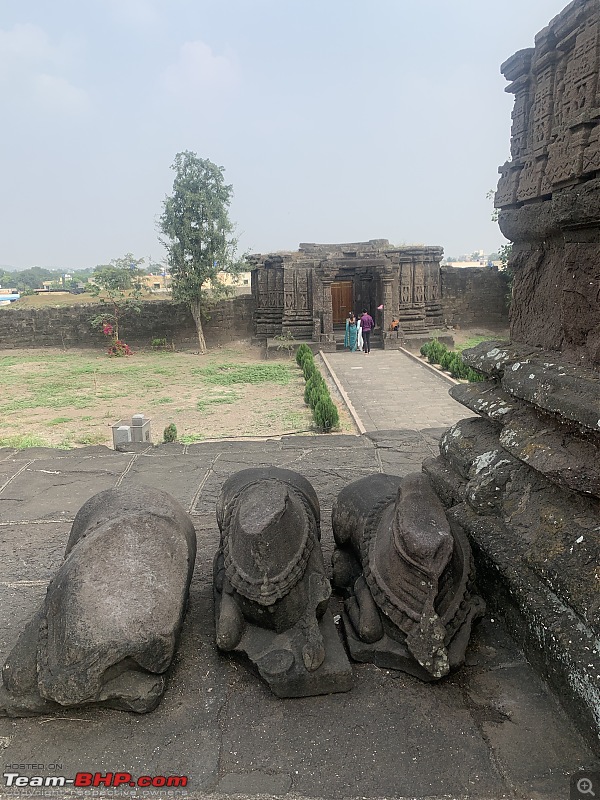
<point x="341" y="300"/>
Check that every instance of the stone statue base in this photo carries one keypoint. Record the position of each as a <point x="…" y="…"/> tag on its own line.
<point x="387" y="653"/>
<point x="277" y="658"/>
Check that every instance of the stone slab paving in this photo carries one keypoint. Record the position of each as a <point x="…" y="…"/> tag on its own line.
<point x="489" y="732"/>
<point x="391" y="391"/>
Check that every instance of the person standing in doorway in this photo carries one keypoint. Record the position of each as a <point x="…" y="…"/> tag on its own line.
<point x="367" y="325"/>
<point x="350" y="337"/>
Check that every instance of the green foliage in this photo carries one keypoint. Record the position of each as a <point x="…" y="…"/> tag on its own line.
<point x="222" y="398"/>
<point x="22" y="441"/>
<point x="158" y="343"/>
<point x="197" y="232"/>
<point x="435" y="351"/>
<point x="315" y="387"/>
<point x="303" y="352"/>
<point x="473" y="376"/>
<point x="309" y="368"/>
<point x="120" y="275"/>
<point x="446" y="358"/>
<point x="450" y="360"/>
<point x="227" y="374"/>
<point x="170" y="433"/>
<point x="190" y="438"/>
<point x="27" y="279"/>
<point x="326" y="414"/>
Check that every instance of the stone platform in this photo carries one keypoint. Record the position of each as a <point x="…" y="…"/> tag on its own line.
<point x="491" y="731"/>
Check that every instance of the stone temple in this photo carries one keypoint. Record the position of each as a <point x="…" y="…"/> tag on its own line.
<point x="308" y="292"/>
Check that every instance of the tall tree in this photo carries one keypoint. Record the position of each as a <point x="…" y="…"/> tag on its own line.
<point x="198" y="233"/>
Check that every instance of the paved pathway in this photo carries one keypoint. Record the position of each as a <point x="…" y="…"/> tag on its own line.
<point x="390" y="390"/>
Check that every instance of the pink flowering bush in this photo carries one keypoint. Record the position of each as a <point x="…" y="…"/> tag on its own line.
<point x="118" y="349"/>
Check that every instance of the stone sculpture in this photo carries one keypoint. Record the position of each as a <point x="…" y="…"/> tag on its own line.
<point x="271" y="590"/>
<point x="407" y="576"/>
<point x="107" y="630"/>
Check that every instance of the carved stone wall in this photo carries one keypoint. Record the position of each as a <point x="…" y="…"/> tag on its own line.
<point x="405" y="280"/>
<point x="549" y="193"/>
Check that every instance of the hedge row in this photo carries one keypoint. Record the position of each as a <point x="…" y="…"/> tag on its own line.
<point x="437" y="353"/>
<point x="316" y="392"/>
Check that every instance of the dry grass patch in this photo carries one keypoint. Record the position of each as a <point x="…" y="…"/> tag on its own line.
<point x="68" y="399"/>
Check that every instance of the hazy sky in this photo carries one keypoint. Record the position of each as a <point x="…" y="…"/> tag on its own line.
<point x="335" y="120"/>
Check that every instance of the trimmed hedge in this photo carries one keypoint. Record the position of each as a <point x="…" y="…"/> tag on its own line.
<point x="437" y="353"/>
<point x="316" y="391"/>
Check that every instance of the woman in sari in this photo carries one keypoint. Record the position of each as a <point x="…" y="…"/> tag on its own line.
<point x="350" y="337"/>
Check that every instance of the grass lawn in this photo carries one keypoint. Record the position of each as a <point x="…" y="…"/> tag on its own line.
<point x="50" y="397"/>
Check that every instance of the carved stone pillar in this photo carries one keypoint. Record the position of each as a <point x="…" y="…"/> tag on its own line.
<point x="327" y="309"/>
<point x="392" y="340"/>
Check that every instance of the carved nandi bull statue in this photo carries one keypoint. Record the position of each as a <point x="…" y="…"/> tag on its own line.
<point x="408" y="578"/>
<point x="271" y="589"/>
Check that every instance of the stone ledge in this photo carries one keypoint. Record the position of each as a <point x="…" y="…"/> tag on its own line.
<point x="544" y="379"/>
<point x="555" y="639"/>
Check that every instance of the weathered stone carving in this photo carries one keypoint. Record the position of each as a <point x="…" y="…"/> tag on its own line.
<point x="107" y="630"/>
<point x="549" y="193"/>
<point x="271" y="590"/>
<point x="408" y="577"/>
<point x="523" y="481"/>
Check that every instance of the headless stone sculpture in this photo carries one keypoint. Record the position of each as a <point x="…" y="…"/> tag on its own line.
<point x="271" y="590"/>
<point x="108" y="627"/>
<point x="407" y="577"/>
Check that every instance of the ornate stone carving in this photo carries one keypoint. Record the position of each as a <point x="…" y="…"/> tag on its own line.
<point x="292" y="291"/>
<point x="271" y="590"/>
<point x="549" y="195"/>
<point x="408" y="578"/>
<point x="107" y="630"/>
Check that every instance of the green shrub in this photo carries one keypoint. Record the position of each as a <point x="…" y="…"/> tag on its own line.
<point x="435" y="352"/>
<point x="303" y="352"/>
<point x="425" y="348"/>
<point x="170" y="433"/>
<point x="309" y="368"/>
<point x="458" y="368"/>
<point x="473" y="376"/>
<point x="446" y="358"/>
<point x="326" y="414"/>
<point x="314" y="383"/>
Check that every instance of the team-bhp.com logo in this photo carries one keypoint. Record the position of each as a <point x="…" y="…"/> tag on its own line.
<point x="91" y="779"/>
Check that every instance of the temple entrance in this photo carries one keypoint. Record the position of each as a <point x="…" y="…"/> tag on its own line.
<point x="341" y="300"/>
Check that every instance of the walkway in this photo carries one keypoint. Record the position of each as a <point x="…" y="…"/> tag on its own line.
<point x="390" y="391"/>
<point x="490" y="731"/>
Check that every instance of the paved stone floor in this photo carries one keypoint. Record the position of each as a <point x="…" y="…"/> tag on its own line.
<point x="488" y="732"/>
<point x="391" y="390"/>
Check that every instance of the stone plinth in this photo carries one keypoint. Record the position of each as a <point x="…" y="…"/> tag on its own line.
<point x="523" y="481"/>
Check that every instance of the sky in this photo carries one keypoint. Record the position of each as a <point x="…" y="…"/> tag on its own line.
<point x="334" y="120"/>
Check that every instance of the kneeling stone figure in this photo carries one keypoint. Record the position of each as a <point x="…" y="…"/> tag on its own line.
<point x="108" y="627"/>
<point x="271" y="590"/>
<point x="407" y="577"/>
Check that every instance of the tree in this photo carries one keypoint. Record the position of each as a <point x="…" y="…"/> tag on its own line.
<point x="121" y="280"/>
<point x="121" y="274"/>
<point x="198" y="233"/>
